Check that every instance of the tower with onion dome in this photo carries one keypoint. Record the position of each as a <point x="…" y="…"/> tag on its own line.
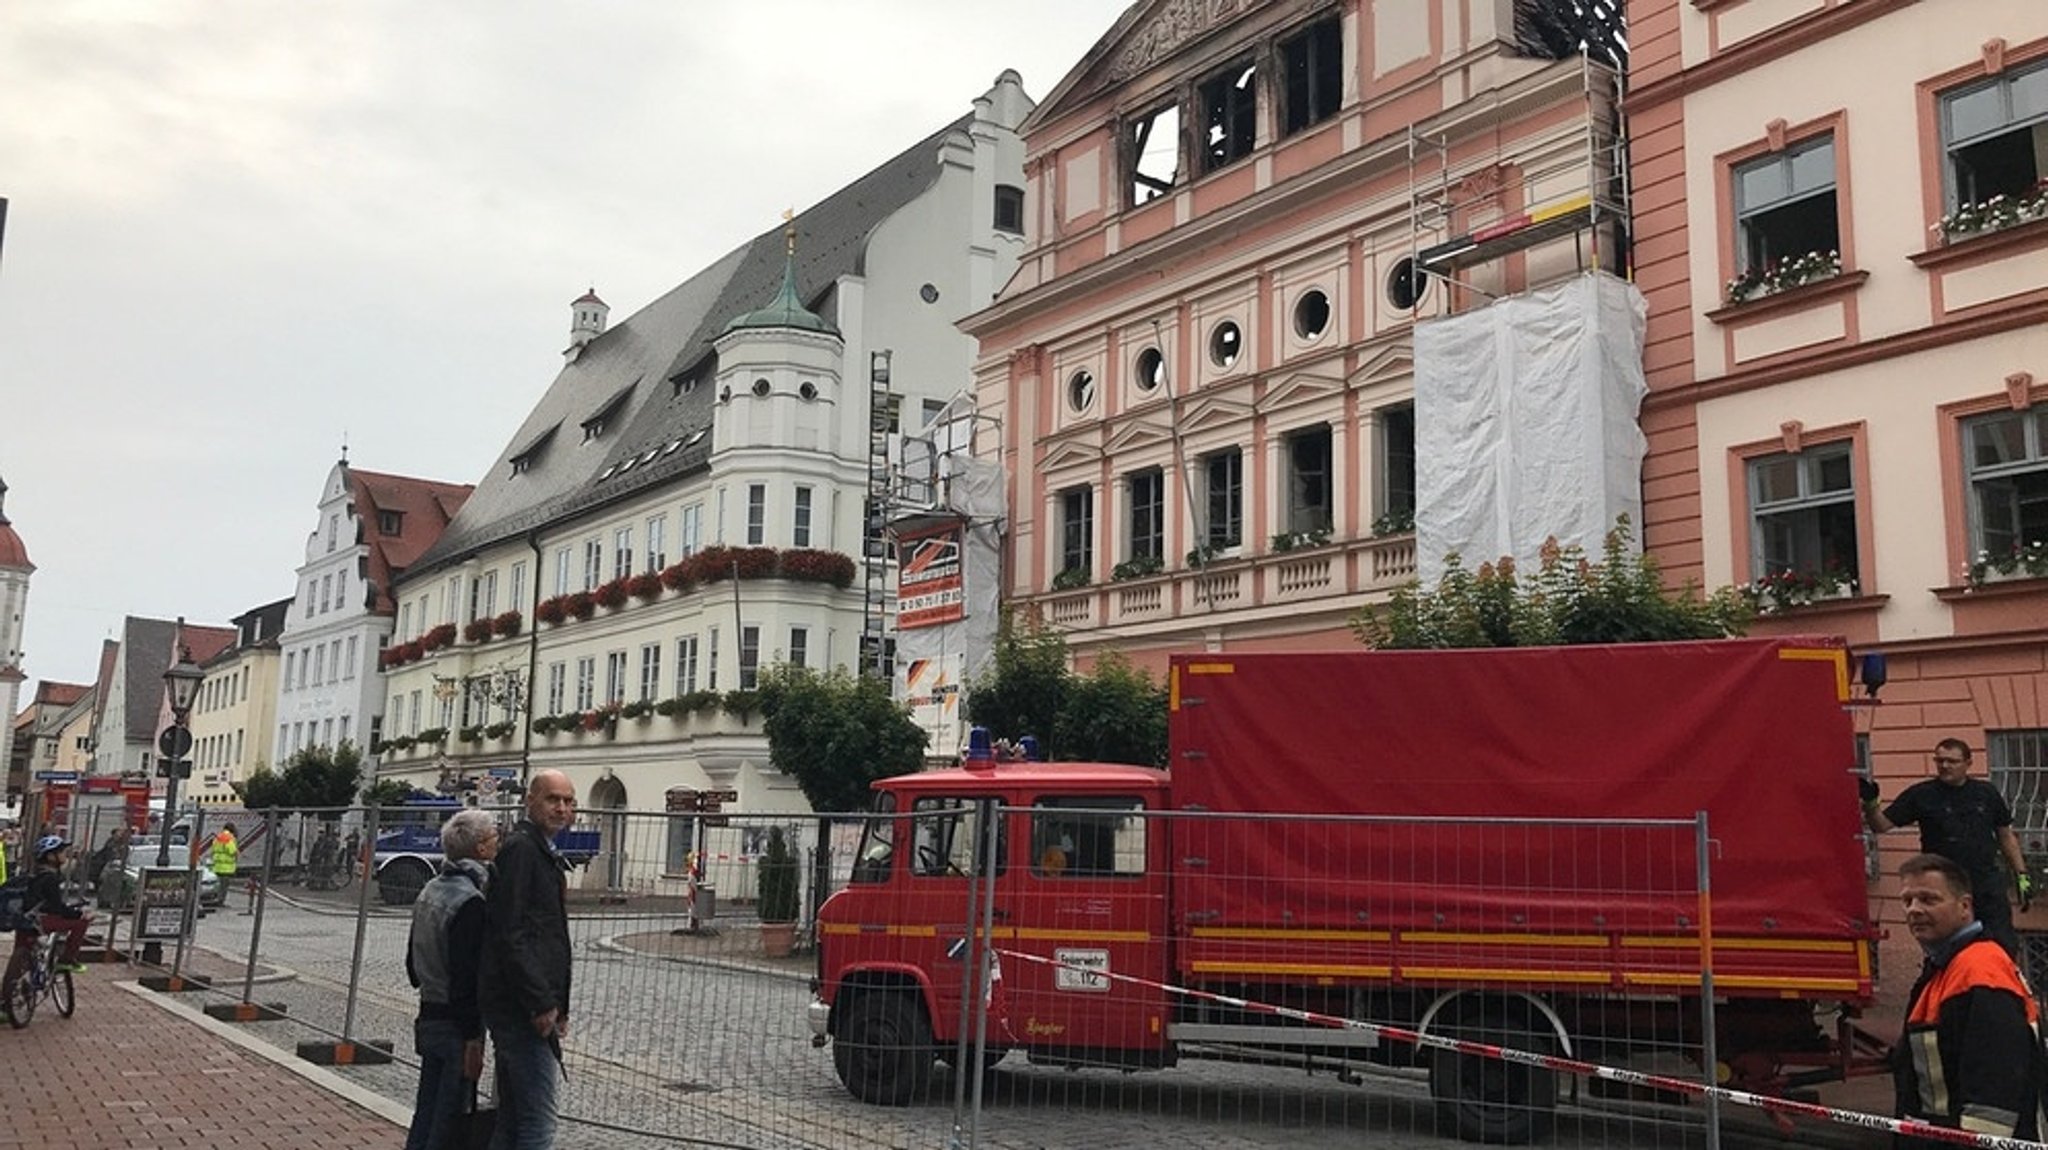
<point x="14" y="572"/>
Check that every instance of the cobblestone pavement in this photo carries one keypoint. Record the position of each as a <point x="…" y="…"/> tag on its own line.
<point x="698" y="1039"/>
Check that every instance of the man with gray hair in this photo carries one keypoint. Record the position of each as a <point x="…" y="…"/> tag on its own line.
<point x="442" y="960"/>
<point x="523" y="986"/>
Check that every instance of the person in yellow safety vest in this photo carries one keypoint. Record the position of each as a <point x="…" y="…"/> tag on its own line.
<point x="225" y="853"/>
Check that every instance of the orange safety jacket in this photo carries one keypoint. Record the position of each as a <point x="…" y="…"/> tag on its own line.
<point x="1971" y="1055"/>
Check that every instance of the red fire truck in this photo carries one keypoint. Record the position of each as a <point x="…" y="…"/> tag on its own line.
<point x="1500" y="845"/>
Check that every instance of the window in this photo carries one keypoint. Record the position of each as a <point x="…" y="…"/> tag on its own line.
<point x="333" y="531"/>
<point x="349" y="667"/>
<point x="1077" y="529"/>
<point x="342" y="730"/>
<point x="686" y="664"/>
<point x="291" y="659"/>
<point x="2005" y="457"/>
<point x="1312" y="315"/>
<point x="800" y="524"/>
<point x="517" y="602"/>
<point x="593" y="563"/>
<point x="558" y="682"/>
<point x="1994" y="137"/>
<point x="1397" y="471"/>
<point x="586" y="682"/>
<point x="326" y="593"/>
<point x="750" y="658"/>
<point x="1223" y="475"/>
<point x="1785" y="206"/>
<point x="562" y="561"/>
<point x="947" y="839"/>
<point x="799" y="646"/>
<point x="309" y="599"/>
<point x="622" y="552"/>
<point x="1230" y="116"/>
<point x="1080" y="391"/>
<point x="693" y="529"/>
<point x="1803" y="513"/>
<point x="1312" y="72"/>
<point x="319" y="664"/>
<point x="1152" y="153"/>
<point x="615" y="677"/>
<point x="1148" y="514"/>
<point x="650" y="672"/>
<point x="449" y="601"/>
<point x="389" y="522"/>
<point x="1309" y="506"/>
<point x="711" y="660"/>
<point x="340" y="590"/>
<point x="1009" y="214"/>
<point x="1226" y="343"/>
<point x="2017" y="761"/>
<point x="1088" y="836"/>
<point x="488" y="594"/>
<point x="877" y="852"/>
<point x="1151" y="370"/>
<point x="757" y="514"/>
<point x="657" y="543"/>
<point x="413" y="704"/>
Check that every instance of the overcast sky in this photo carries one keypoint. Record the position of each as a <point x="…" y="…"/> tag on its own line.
<point x="240" y="230"/>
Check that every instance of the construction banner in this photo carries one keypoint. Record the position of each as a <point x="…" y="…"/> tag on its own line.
<point x="930" y="590"/>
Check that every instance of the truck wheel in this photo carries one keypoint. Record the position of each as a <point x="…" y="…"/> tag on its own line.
<point x="399" y="883"/>
<point x="883" y="1051"/>
<point x="1487" y="1100"/>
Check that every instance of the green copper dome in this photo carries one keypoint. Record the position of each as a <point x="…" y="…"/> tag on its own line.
<point x="786" y="311"/>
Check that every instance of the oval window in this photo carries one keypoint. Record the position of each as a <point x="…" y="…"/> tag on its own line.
<point x="1080" y="391"/>
<point x="761" y="387"/>
<point x="1407" y="284"/>
<point x="1226" y="343"/>
<point x="1151" y="369"/>
<point x="807" y="390"/>
<point x="1312" y="315"/>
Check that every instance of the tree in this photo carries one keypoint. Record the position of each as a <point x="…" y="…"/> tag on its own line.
<point x="313" y="777"/>
<point x="1026" y="685"/>
<point x="1621" y="599"/>
<point x="837" y="733"/>
<point x="1116" y="715"/>
<point x="391" y="793"/>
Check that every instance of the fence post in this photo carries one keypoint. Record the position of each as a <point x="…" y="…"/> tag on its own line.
<point x="1710" y="1058"/>
<point x="245" y="1010"/>
<point x="347" y="1051"/>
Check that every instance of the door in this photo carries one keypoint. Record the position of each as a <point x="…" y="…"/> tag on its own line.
<point x="1086" y="911"/>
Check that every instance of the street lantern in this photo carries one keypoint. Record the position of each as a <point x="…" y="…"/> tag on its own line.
<point x="181" y="684"/>
<point x="181" y="687"/>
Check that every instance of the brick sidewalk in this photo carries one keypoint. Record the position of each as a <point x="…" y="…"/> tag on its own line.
<point x="127" y="1072"/>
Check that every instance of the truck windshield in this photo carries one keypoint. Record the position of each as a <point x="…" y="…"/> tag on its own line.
<point x="877" y="843"/>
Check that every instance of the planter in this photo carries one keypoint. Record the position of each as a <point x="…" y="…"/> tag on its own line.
<point x="778" y="939"/>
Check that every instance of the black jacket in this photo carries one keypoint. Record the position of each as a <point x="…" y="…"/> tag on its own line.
<point x="525" y="971"/>
<point x="46" y="895"/>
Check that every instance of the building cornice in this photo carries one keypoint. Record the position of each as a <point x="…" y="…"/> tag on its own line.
<point x="1793" y="36"/>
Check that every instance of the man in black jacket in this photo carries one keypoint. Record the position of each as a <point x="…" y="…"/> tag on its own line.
<point x="1970" y="1058"/>
<point x="441" y="958"/>
<point x="523" y="985"/>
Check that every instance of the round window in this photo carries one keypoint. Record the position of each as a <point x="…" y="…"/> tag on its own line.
<point x="1151" y="369"/>
<point x="807" y="390"/>
<point x="1080" y="391"/>
<point x="1226" y="343"/>
<point x="761" y="387"/>
<point x="1407" y="284"/>
<point x="1312" y="315"/>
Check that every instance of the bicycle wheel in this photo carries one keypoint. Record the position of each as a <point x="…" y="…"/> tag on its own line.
<point x="21" y="1000"/>
<point x="63" y="993"/>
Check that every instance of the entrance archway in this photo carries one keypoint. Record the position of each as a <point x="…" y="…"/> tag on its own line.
<point x="608" y="796"/>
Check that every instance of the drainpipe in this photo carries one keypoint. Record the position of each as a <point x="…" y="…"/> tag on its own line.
<point x="532" y="662"/>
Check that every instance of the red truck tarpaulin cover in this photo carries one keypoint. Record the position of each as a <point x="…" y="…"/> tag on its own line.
<point x="1754" y="732"/>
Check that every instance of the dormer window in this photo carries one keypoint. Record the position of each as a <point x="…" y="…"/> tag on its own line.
<point x="593" y="427"/>
<point x="522" y="464"/>
<point x="390" y="522"/>
<point x="599" y="420"/>
<point x="523" y="460"/>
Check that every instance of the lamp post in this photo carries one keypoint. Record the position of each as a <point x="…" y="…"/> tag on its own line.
<point x="181" y="686"/>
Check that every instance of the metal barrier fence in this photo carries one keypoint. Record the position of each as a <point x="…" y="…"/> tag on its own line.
<point x="1277" y="979"/>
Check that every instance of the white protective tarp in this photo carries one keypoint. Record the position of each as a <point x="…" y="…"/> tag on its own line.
<point x="1525" y="424"/>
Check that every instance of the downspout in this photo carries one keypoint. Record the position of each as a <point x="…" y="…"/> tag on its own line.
<point x="532" y="662"/>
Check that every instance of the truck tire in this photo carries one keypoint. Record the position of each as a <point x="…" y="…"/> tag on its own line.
<point x="399" y="883"/>
<point x="883" y="1051"/>
<point x="1488" y="1100"/>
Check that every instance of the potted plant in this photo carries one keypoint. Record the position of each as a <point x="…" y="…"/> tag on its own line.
<point x="507" y="625"/>
<point x="612" y="596"/>
<point x="550" y="610"/>
<point x="476" y="631"/>
<point x="645" y="587"/>
<point x="581" y="604"/>
<point x="777" y="873"/>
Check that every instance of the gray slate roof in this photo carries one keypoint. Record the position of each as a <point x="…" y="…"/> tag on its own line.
<point x="146" y="648"/>
<point x="638" y="364"/>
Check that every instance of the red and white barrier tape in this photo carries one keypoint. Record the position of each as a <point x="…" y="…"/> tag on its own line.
<point x="1906" y="1127"/>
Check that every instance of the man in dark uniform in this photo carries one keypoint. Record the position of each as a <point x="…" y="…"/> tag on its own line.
<point x="1968" y="821"/>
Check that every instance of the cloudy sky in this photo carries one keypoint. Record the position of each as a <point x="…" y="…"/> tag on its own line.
<point x="241" y="231"/>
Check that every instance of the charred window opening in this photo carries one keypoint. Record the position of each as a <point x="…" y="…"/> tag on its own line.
<point x="1312" y="65"/>
<point x="1154" y="153"/>
<point x="1009" y="209"/>
<point x="1556" y="29"/>
<point x="1230" y="116"/>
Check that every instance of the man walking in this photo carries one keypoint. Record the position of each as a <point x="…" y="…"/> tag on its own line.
<point x="1968" y="822"/>
<point x="523" y="984"/>
<point x="1970" y="1057"/>
<point x="224" y="856"/>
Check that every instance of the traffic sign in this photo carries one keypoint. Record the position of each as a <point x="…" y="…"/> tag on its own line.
<point x="56" y="776"/>
<point x="719" y="796"/>
<point x="175" y="742"/>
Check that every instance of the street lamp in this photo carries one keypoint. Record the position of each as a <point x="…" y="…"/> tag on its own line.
<point x="181" y="686"/>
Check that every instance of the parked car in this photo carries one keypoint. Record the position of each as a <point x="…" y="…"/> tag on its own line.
<point x="118" y="881"/>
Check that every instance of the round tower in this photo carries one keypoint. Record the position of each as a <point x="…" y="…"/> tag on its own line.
<point x="14" y="572"/>
<point x="587" y="317"/>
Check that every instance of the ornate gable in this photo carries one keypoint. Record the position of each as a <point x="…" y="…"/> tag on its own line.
<point x="1299" y="388"/>
<point x="1075" y="451"/>
<point x="1387" y="363"/>
<point x="1216" y="413"/>
<point x="1146" y="35"/>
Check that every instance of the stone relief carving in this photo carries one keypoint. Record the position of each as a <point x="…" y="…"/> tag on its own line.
<point x="1170" y="26"/>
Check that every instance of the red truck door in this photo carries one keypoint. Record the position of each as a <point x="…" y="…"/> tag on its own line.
<point x="1090" y="896"/>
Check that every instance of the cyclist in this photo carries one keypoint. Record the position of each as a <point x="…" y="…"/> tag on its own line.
<point x="46" y="898"/>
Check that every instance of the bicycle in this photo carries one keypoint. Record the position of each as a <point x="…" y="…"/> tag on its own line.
<point x="39" y="977"/>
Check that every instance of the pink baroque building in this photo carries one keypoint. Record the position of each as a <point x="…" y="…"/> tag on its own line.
<point x="1842" y="229"/>
<point x="1200" y="383"/>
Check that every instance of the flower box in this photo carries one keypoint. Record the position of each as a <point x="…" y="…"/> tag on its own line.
<point x="677" y="577"/>
<point x="582" y="604"/>
<point x="809" y="565"/>
<point x="1780" y="275"/>
<point x="508" y="624"/>
<point x="439" y="637"/>
<point x="550" y="611"/>
<point x="1788" y="590"/>
<point x="644" y="587"/>
<point x="1992" y="215"/>
<point x="611" y="596"/>
<point x="2023" y="561"/>
<point x="477" y="631"/>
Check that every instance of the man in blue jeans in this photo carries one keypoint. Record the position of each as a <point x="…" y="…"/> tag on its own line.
<point x="441" y="959"/>
<point x="523" y="984"/>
